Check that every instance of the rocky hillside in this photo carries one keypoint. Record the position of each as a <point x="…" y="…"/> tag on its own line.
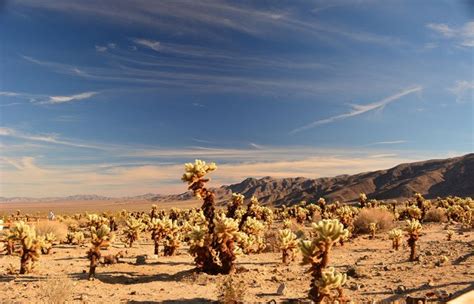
<point x="432" y="178"/>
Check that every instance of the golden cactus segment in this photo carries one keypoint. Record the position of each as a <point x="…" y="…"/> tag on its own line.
<point x="413" y="226"/>
<point x="225" y="228"/>
<point x="330" y="279"/>
<point x="288" y="244"/>
<point x="329" y="231"/>
<point x="197" y="170"/>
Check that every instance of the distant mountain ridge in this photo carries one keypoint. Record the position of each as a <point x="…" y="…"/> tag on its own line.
<point x="432" y="178"/>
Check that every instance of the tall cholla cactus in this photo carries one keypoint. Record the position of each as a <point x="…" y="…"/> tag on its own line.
<point x="316" y="252"/>
<point x="413" y="229"/>
<point x="330" y="280"/>
<point x="288" y="244"/>
<point x="133" y="230"/>
<point x="30" y="250"/>
<point x="215" y="255"/>
<point x="99" y="237"/>
<point x="396" y="236"/>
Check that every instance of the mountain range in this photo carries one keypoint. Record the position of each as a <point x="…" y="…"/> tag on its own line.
<point x="431" y="178"/>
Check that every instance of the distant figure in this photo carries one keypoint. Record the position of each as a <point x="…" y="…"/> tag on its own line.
<point x="51" y="216"/>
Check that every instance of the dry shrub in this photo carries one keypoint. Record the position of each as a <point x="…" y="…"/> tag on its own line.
<point x="70" y="222"/>
<point x="382" y="217"/>
<point x="230" y="291"/>
<point x="437" y="215"/>
<point x="56" y="290"/>
<point x="57" y="228"/>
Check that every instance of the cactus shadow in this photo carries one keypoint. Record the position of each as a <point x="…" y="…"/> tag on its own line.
<point x="6" y="278"/>
<point x="132" y="278"/>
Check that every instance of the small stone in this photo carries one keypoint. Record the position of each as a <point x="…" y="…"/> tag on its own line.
<point x="140" y="260"/>
<point x="281" y="289"/>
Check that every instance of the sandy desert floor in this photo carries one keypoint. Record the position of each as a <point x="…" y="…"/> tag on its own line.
<point x="376" y="273"/>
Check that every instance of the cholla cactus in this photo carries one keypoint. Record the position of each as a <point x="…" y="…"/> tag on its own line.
<point x="133" y="230"/>
<point x="227" y="232"/>
<point x="414" y="212"/>
<point x="362" y="199"/>
<point x="237" y="202"/>
<point x="449" y="235"/>
<point x="316" y="252"/>
<point x="95" y="220"/>
<point x="413" y="229"/>
<point x="396" y="236"/>
<point x="212" y="257"/>
<point x="99" y="237"/>
<point x="30" y="250"/>
<point x="46" y="242"/>
<point x="288" y="244"/>
<point x="254" y="241"/>
<point x="373" y="230"/>
<point x="159" y="228"/>
<point x="173" y="238"/>
<point x="330" y="280"/>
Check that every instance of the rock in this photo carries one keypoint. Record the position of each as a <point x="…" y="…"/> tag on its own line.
<point x="133" y="293"/>
<point x="141" y="260"/>
<point x="356" y="272"/>
<point x="281" y="289"/>
<point x="387" y="268"/>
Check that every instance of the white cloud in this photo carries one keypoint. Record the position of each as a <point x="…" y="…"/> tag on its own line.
<point x="390" y="142"/>
<point x="47" y="99"/>
<point x="360" y="109"/>
<point x="76" y="97"/>
<point x="52" y="139"/>
<point x="101" y="49"/>
<point x="463" y="90"/>
<point x="463" y="36"/>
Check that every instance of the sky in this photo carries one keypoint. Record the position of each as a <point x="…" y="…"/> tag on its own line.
<point x="112" y="97"/>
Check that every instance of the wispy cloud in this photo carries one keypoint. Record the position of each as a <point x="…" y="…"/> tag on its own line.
<point x="70" y="98"/>
<point x="360" y="109"/>
<point x="211" y="19"/>
<point x="51" y="139"/>
<point x="462" y="36"/>
<point x="47" y="99"/>
<point x="463" y="90"/>
<point x="390" y="142"/>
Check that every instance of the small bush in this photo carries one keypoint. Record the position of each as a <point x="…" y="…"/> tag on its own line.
<point x="56" y="228"/>
<point x="437" y="215"/>
<point x="230" y="291"/>
<point x="56" y="290"/>
<point x="381" y="217"/>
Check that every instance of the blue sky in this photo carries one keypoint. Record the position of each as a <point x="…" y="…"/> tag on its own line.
<point x="111" y="97"/>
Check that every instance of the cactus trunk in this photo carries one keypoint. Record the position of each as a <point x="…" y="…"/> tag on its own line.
<point x="412" y="243"/>
<point x="316" y="273"/>
<point x="24" y="262"/>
